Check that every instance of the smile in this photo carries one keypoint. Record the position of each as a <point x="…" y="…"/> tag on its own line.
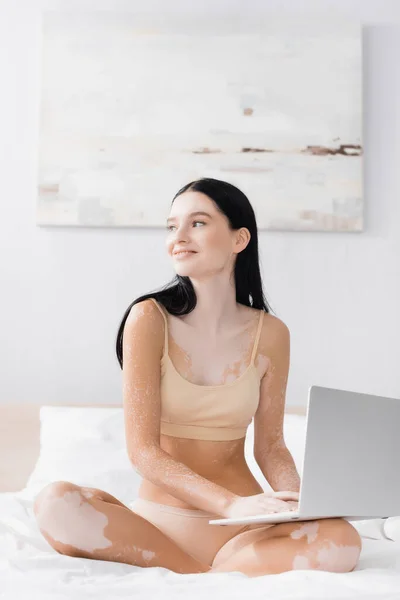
<point x="183" y="253"/>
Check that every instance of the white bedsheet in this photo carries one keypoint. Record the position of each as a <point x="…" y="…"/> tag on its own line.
<point x="31" y="569"/>
<point x="87" y="446"/>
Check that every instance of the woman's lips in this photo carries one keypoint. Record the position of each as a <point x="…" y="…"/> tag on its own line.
<point x="184" y="254"/>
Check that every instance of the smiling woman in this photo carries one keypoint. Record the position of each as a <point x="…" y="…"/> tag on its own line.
<point x="200" y="359"/>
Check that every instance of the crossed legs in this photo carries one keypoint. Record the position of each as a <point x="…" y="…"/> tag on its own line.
<point x="90" y="523"/>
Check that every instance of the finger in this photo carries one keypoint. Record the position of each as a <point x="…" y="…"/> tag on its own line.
<point x="276" y="502"/>
<point x="281" y="505"/>
<point x="287" y="495"/>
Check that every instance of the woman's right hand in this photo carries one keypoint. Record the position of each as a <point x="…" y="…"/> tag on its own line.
<point x="265" y="503"/>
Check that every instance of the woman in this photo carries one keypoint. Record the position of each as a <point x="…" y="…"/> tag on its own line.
<point x="200" y="359"/>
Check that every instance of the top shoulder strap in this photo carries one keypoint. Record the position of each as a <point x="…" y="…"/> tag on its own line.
<point x="162" y="311"/>
<point x="260" y="322"/>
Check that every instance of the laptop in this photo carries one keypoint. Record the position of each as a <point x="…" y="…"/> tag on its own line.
<point x="351" y="461"/>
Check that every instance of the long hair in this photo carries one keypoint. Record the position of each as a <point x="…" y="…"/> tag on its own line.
<point x="178" y="296"/>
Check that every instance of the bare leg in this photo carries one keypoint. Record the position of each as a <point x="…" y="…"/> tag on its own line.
<point x="90" y="523"/>
<point x="324" y="544"/>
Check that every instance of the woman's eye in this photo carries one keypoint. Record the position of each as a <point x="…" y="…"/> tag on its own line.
<point x="169" y="227"/>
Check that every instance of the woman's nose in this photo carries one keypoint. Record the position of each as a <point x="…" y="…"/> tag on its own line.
<point x="181" y="235"/>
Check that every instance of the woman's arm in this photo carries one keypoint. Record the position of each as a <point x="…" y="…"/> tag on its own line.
<point x="142" y="351"/>
<point x="280" y="470"/>
<point x="177" y="479"/>
<point x="270" y="451"/>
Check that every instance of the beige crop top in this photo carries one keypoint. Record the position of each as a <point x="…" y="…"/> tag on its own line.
<point x="207" y="412"/>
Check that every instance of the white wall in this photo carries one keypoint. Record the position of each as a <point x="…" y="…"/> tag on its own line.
<point x="64" y="290"/>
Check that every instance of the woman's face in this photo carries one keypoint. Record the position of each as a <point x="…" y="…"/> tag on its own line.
<point x="208" y="238"/>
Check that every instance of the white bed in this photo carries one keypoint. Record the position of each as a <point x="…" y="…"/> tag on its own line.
<point x="86" y="445"/>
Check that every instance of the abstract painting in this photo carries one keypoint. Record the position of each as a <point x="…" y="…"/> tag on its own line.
<point x="131" y="113"/>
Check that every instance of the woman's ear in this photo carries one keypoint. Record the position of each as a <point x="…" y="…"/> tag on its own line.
<point x="242" y="239"/>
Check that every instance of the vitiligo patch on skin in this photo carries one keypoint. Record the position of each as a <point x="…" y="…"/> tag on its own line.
<point x="338" y="558"/>
<point x="87" y="493"/>
<point x="334" y="558"/>
<point x="308" y="529"/>
<point x="261" y="361"/>
<point x="147" y="555"/>
<point x="301" y="562"/>
<point x="69" y="519"/>
<point x="191" y="355"/>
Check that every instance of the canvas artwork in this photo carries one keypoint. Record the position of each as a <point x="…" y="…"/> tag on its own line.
<point x="129" y="114"/>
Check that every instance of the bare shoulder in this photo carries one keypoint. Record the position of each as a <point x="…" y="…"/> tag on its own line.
<point x="144" y="311"/>
<point x="144" y="329"/>
<point x="275" y="324"/>
<point x="272" y="328"/>
<point x="274" y="336"/>
<point x="145" y="318"/>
